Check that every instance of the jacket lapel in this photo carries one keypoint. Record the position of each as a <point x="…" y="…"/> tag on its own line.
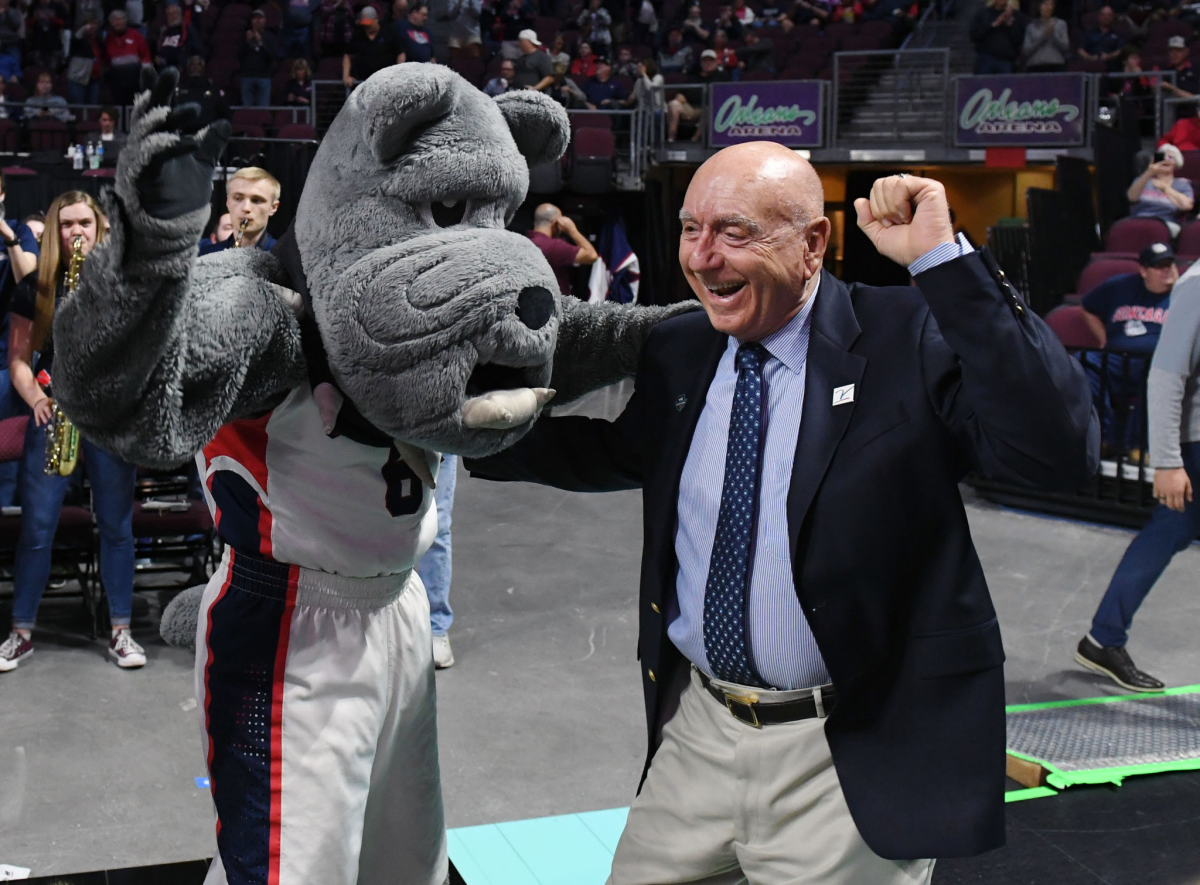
<point x="687" y="389"/>
<point x="830" y="365"/>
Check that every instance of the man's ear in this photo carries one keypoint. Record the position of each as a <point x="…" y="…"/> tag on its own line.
<point x="538" y="124"/>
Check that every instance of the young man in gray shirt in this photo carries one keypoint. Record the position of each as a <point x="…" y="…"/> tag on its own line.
<point x="1173" y="393"/>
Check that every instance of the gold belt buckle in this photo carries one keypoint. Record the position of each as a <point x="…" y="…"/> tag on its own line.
<point x="742" y="704"/>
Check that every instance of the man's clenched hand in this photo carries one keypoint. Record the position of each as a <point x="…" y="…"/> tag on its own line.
<point x="889" y="219"/>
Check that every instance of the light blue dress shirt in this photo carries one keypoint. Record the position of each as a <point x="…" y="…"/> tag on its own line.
<point x="781" y="641"/>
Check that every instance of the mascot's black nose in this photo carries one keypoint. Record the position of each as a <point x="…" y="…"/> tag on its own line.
<point x="535" y="306"/>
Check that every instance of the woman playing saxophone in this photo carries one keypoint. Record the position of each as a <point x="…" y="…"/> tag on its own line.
<point x="74" y="225"/>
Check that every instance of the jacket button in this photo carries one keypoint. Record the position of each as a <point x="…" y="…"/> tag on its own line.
<point x="654" y="608"/>
<point x="650" y="673"/>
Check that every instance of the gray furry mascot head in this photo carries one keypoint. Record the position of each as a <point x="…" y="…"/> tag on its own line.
<point x="398" y="294"/>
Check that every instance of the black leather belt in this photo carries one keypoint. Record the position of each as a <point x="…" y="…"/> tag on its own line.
<point x="758" y="714"/>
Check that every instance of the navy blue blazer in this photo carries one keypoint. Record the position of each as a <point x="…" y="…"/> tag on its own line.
<point x="952" y="376"/>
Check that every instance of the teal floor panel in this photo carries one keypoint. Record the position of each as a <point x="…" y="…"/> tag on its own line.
<point x="569" y="849"/>
<point x="607" y="825"/>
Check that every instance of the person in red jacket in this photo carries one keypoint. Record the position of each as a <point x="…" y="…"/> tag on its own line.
<point x="127" y="52"/>
<point x="1185" y="134"/>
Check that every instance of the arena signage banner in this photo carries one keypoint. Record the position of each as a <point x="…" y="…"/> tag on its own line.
<point x="787" y="111"/>
<point x="1020" y="110"/>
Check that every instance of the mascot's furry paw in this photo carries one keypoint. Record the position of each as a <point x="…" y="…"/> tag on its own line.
<point x="178" y="624"/>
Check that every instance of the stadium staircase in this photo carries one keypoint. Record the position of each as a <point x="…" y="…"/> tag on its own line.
<point x="901" y="99"/>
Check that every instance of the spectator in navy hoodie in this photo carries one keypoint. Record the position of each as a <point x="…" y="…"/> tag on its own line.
<point x="411" y="35"/>
<point x="603" y="91"/>
<point x="178" y="41"/>
<point x="297" y="28"/>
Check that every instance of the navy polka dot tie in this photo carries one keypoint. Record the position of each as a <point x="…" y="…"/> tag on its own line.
<point x="725" y="595"/>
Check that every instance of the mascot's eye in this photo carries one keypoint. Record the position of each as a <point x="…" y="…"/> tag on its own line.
<point x="448" y="216"/>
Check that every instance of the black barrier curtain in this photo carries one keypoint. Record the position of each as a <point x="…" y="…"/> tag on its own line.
<point x="32" y="188"/>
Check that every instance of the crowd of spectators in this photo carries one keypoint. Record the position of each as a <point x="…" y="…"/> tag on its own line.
<point x="60" y="56"/>
<point x="1121" y="39"/>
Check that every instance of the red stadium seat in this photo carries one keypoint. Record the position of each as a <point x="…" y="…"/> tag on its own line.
<point x="329" y="68"/>
<point x="591" y="121"/>
<point x="10" y="136"/>
<point x="1189" y="241"/>
<point x="472" y="70"/>
<point x="1133" y="234"/>
<point x="1068" y="323"/>
<point x="760" y="76"/>
<point x="838" y="31"/>
<point x="1101" y="269"/>
<point x="48" y="135"/>
<point x="246" y="143"/>
<point x="1191" y="166"/>
<point x="592" y="160"/>
<point x="297" y="130"/>
<point x="235" y="13"/>
<point x="861" y="43"/>
<point x="12" y="438"/>
<point x="252" y="117"/>
<point x="880" y="30"/>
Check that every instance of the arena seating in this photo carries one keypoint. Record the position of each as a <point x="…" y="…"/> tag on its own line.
<point x="74" y="540"/>
<point x="1101" y="269"/>
<point x="1189" y="241"/>
<point x="1130" y="235"/>
<point x="1068" y="323"/>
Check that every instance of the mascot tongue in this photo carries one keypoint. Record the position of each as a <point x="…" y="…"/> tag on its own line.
<point x="504" y="409"/>
<point x="494" y="410"/>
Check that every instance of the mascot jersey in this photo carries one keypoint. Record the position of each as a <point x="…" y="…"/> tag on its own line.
<point x="279" y="487"/>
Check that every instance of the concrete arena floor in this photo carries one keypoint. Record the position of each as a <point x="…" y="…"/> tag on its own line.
<point x="542" y="713"/>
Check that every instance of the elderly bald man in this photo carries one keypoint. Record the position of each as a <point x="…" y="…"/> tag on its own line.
<point x="820" y="658"/>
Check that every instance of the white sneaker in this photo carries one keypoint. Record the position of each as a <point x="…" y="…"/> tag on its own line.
<point x="128" y="653"/>
<point x="443" y="655"/>
<point x="14" y="650"/>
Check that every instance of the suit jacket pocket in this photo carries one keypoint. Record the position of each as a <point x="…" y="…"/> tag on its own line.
<point x="876" y="426"/>
<point x="958" y="652"/>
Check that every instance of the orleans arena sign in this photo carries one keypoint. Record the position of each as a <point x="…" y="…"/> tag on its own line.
<point x="788" y="112"/>
<point x="1029" y="110"/>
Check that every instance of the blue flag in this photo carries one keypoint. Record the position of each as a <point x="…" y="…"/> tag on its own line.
<point x="616" y="275"/>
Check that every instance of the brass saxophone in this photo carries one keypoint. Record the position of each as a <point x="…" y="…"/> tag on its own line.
<point x="62" y="437"/>
<point x="237" y="241"/>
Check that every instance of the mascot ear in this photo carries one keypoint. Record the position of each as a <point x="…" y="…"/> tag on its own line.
<point x="538" y="123"/>
<point x="400" y="99"/>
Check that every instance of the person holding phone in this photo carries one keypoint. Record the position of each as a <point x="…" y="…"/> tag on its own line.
<point x="1157" y="193"/>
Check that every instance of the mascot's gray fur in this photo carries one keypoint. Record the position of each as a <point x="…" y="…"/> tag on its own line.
<point x="418" y="323"/>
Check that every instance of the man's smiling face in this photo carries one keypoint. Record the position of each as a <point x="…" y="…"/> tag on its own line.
<point x="753" y="237"/>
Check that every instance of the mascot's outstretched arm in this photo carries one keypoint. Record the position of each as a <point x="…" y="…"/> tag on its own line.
<point x="156" y="349"/>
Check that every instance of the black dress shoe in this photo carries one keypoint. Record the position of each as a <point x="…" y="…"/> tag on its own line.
<point x="1116" y="664"/>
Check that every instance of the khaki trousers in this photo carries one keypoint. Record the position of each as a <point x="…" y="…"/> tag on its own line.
<point x="727" y="803"/>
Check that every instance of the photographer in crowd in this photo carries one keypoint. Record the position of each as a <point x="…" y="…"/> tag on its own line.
<point x="1157" y="193"/>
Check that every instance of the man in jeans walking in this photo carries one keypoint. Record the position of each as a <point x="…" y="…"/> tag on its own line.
<point x="1173" y="393"/>
<point x="434" y="568"/>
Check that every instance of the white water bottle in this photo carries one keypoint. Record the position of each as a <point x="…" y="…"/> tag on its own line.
<point x="77" y="159"/>
<point x="93" y="161"/>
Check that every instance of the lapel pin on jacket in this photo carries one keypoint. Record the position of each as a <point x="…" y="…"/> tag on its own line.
<point x="680" y="402"/>
<point x="843" y="395"/>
